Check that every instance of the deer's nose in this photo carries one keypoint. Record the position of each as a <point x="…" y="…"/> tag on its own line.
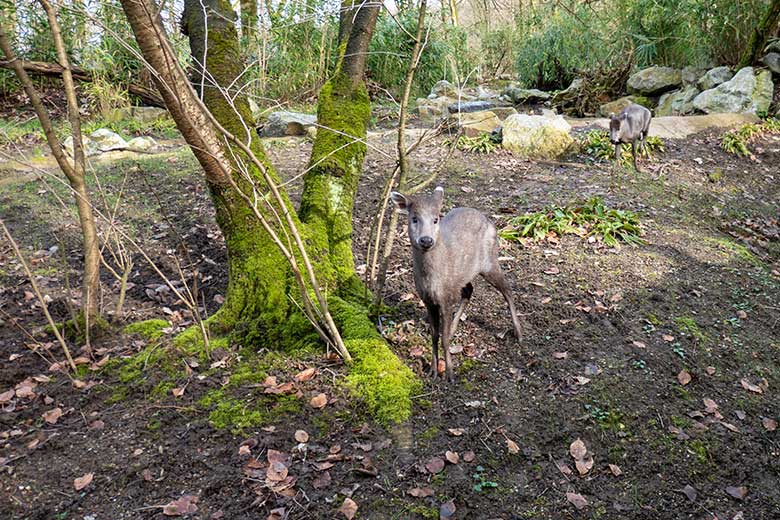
<point x="426" y="242"/>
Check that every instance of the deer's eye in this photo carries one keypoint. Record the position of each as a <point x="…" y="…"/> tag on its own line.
<point x="414" y="220"/>
<point x="436" y="220"/>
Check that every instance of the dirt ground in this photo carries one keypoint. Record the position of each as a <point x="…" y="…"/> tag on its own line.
<point x="609" y="336"/>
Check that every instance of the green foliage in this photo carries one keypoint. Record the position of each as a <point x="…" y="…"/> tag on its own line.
<point x="445" y="55"/>
<point x="597" y="145"/>
<point x="736" y="141"/>
<point x="482" y="482"/>
<point x="592" y="218"/>
<point x="149" y="329"/>
<point x="481" y="144"/>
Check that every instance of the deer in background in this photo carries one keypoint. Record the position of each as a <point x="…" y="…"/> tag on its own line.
<point x="629" y="126"/>
<point x="447" y="254"/>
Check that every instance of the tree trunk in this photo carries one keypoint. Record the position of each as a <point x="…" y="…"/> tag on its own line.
<point x="760" y="35"/>
<point x="258" y="309"/>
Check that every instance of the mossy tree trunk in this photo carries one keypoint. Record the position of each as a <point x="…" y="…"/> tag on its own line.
<point x="258" y="308"/>
<point x="760" y="35"/>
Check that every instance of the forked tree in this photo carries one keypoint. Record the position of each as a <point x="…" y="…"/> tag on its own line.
<point x="262" y="303"/>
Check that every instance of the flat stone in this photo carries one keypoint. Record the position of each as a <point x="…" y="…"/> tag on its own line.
<point x="714" y="77"/>
<point x="653" y="81"/>
<point x="678" y="102"/>
<point x="470" y="106"/>
<point x="772" y="61"/>
<point x="476" y="123"/>
<point x="283" y="123"/>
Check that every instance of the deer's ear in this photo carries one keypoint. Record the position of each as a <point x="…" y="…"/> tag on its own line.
<point x="438" y="195"/>
<point x="400" y="201"/>
<point x="612" y="115"/>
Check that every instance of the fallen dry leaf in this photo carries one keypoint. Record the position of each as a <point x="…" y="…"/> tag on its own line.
<point x="447" y="510"/>
<point x="584" y="465"/>
<point x="552" y="271"/>
<point x="244" y="450"/>
<point x="638" y="344"/>
<point x="305" y="375"/>
<point x="563" y="467"/>
<point x="684" y="377"/>
<point x="83" y="481"/>
<point x="322" y="481"/>
<point x="576" y="500"/>
<point x="421" y="492"/>
<point x="667" y="338"/>
<point x="747" y="385"/>
<point x="319" y="401"/>
<point x="560" y="355"/>
<point x="301" y="436"/>
<point x="182" y="506"/>
<point x="348" y="508"/>
<point x="512" y="447"/>
<point x="469" y="456"/>
<point x="578" y="450"/>
<point x="710" y="371"/>
<point x="615" y="469"/>
<point x="690" y="492"/>
<point x="178" y="392"/>
<point x="710" y="406"/>
<point x="452" y="457"/>
<point x="276" y="514"/>
<point x="52" y="416"/>
<point x="741" y="314"/>
<point x="581" y="380"/>
<point x="738" y="492"/>
<point x="276" y="472"/>
<point x="769" y="424"/>
<point x="7" y="396"/>
<point x="435" y="465"/>
<point x="457" y="432"/>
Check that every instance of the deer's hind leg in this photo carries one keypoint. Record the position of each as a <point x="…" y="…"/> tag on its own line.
<point x="434" y="316"/>
<point x="495" y="277"/>
<point x="465" y="297"/>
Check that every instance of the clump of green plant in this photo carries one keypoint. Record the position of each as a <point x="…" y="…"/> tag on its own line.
<point x="592" y="218"/>
<point x="736" y="141"/>
<point x="481" y="144"/>
<point x="597" y="145"/>
<point x="482" y="482"/>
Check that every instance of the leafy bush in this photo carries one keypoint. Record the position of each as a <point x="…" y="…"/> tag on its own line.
<point x="481" y="144"/>
<point x="592" y="218"/>
<point x="597" y="145"/>
<point x="736" y="141"/>
<point x="445" y="55"/>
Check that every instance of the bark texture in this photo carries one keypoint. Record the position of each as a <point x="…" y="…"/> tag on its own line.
<point x="760" y="35"/>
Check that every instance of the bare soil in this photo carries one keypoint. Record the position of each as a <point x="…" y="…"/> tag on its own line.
<point x="607" y="332"/>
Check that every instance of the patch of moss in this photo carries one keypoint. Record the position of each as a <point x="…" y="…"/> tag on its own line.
<point x="687" y="325"/>
<point x="699" y="448"/>
<point x="236" y="415"/>
<point x="738" y="250"/>
<point x="150" y="330"/>
<point x="162" y="390"/>
<point x="430" y="433"/>
<point x="120" y="393"/>
<point x="467" y="365"/>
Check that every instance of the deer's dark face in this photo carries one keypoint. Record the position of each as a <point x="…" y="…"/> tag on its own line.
<point x="615" y="129"/>
<point x="424" y="214"/>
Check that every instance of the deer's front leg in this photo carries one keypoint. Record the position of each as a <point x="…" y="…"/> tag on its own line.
<point x="446" y="336"/>
<point x="434" y="316"/>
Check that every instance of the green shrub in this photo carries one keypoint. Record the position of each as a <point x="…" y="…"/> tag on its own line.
<point x="592" y="218"/>
<point x="597" y="145"/>
<point x="736" y="141"/>
<point x="480" y="144"/>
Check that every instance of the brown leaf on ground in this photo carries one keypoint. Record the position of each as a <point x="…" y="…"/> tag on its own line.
<point x="276" y="472"/>
<point x="284" y="388"/>
<point x="421" y="492"/>
<point x="276" y="514"/>
<point x="435" y="465"/>
<point x="577" y="449"/>
<point x="563" y="467"/>
<point x="244" y="450"/>
<point x="457" y="432"/>
<point x="750" y="387"/>
<point x="7" y="396"/>
<point x="512" y="447"/>
<point x="615" y="469"/>
<point x="447" y="510"/>
<point x="301" y="436"/>
<point x="738" y="492"/>
<point x="183" y="506"/>
<point x="668" y="338"/>
<point x="769" y="424"/>
<point x="690" y="492"/>
<point x="270" y="381"/>
<point x="584" y="465"/>
<point x="319" y="401"/>
<point x="52" y="416"/>
<point x="638" y="344"/>
<point x="469" y="456"/>
<point x="710" y="371"/>
<point x="684" y="377"/>
<point x="305" y="375"/>
<point x="452" y="457"/>
<point x="83" y="481"/>
<point x="348" y="508"/>
<point x="710" y="406"/>
<point x="277" y="456"/>
<point x="322" y="481"/>
<point x="178" y="392"/>
<point x="560" y="355"/>
<point x="577" y="500"/>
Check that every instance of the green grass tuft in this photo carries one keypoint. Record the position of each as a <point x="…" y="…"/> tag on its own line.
<point x="597" y="145"/>
<point x="736" y="141"/>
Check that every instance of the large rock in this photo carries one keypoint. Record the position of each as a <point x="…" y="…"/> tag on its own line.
<point x="654" y="80"/>
<point x="525" y="95"/>
<point x="772" y="61"/>
<point x="443" y="88"/>
<point x="503" y="112"/>
<point x="284" y="123"/>
<point x="476" y="123"/>
<point x="714" y="77"/>
<point x="105" y="140"/>
<point x="539" y="137"/>
<point x="690" y="75"/>
<point x="571" y="92"/>
<point x="470" y="106"/>
<point x="679" y="102"/>
<point x="746" y="92"/>
<point x="142" y="145"/>
<point x="484" y="93"/>
<point x="614" y="107"/>
<point x="430" y="110"/>
<point x="90" y="147"/>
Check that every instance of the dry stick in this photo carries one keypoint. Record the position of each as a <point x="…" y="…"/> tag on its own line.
<point x="38" y="295"/>
<point x="403" y="167"/>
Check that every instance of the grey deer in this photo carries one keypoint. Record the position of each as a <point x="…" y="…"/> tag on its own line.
<point x="447" y="254"/>
<point x="629" y="126"/>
